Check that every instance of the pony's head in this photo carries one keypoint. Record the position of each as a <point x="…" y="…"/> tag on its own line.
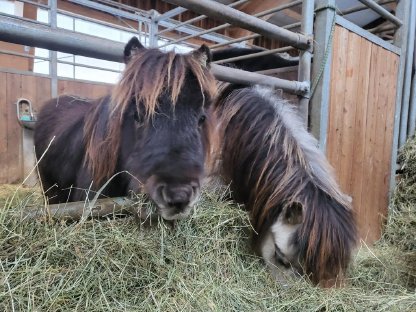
<point x="157" y="126"/>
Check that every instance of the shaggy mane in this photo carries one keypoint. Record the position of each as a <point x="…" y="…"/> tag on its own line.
<point x="148" y="74"/>
<point x="273" y="163"/>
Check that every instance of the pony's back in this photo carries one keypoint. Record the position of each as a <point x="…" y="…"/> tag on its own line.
<point x="301" y="217"/>
<point x="59" y="147"/>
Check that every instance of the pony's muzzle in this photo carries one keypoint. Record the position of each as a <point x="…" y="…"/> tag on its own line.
<point x="174" y="200"/>
<point x="177" y="197"/>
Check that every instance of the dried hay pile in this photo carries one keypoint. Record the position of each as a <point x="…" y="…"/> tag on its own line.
<point x="203" y="263"/>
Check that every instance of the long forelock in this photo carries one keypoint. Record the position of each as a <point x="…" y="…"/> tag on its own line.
<point x="151" y="73"/>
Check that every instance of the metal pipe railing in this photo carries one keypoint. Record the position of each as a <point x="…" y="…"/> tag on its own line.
<point x="121" y="6"/>
<point x="243" y="77"/>
<point x="305" y="59"/>
<point x="407" y="76"/>
<point x="248" y="37"/>
<point x="21" y="32"/>
<point x="15" y="30"/>
<point x="400" y="40"/>
<point x="60" y="61"/>
<point x="198" y="18"/>
<point x="237" y="18"/>
<point x="223" y="26"/>
<point x="25" y="55"/>
<point x="23" y="19"/>
<point x="144" y="17"/>
<point x="171" y="13"/>
<point x="382" y="28"/>
<point x="97" y="21"/>
<point x="382" y="11"/>
<point x="40" y="5"/>
<point x="359" y="8"/>
<point x="254" y="55"/>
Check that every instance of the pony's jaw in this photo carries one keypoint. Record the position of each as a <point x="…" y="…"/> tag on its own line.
<point x="173" y="202"/>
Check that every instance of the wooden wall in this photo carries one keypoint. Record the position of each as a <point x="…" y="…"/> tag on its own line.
<point x="360" y="129"/>
<point x="37" y="90"/>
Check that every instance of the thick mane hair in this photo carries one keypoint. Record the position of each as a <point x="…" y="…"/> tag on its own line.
<point x="149" y="74"/>
<point x="273" y="163"/>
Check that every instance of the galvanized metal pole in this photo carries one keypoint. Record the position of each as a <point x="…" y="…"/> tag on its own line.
<point x="382" y="11"/>
<point x="223" y="26"/>
<point x="321" y="70"/>
<point x="53" y="64"/>
<point x="22" y="32"/>
<point x="400" y="40"/>
<point x="407" y="76"/>
<point x="305" y="59"/>
<point x="238" y="18"/>
<point x="411" y="125"/>
<point x="243" y="77"/>
<point x="153" y="29"/>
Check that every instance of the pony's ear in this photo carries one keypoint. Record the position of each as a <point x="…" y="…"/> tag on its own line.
<point x="203" y="55"/>
<point x="131" y="48"/>
<point x="293" y="213"/>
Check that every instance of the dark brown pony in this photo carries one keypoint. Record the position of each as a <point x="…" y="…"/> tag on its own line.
<point x="151" y="130"/>
<point x="302" y="220"/>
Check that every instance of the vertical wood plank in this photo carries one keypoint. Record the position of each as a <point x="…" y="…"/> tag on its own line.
<point x="43" y="92"/>
<point x="391" y="71"/>
<point x="29" y="92"/>
<point x="3" y="128"/>
<point x="348" y="111"/>
<point x="14" y="131"/>
<point x="359" y="130"/>
<point x="337" y="94"/>
<point x="374" y="212"/>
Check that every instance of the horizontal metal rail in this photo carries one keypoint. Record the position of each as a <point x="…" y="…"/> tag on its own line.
<point x="138" y="16"/>
<point x="26" y="33"/>
<point x="25" y="55"/>
<point x="89" y="66"/>
<point x="248" y="37"/>
<point x="254" y="55"/>
<point x="382" y="28"/>
<point x="198" y="18"/>
<point x="40" y="5"/>
<point x="15" y="30"/>
<point x="120" y="6"/>
<point x="359" y="8"/>
<point x="23" y="18"/>
<point x="226" y="25"/>
<point x="145" y="18"/>
<point x="97" y="21"/>
<point x="171" y="13"/>
<point x="237" y="18"/>
<point x="382" y="11"/>
<point x="240" y="76"/>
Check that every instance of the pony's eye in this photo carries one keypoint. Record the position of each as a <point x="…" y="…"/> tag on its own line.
<point x="201" y="120"/>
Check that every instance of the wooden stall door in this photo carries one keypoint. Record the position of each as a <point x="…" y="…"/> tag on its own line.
<point x="360" y="127"/>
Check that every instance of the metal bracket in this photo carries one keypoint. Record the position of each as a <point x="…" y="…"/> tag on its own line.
<point x="25" y="115"/>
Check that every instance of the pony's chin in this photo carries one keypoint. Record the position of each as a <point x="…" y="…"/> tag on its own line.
<point x="166" y="214"/>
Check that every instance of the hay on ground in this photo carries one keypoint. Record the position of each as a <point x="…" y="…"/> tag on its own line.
<point x="203" y="263"/>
